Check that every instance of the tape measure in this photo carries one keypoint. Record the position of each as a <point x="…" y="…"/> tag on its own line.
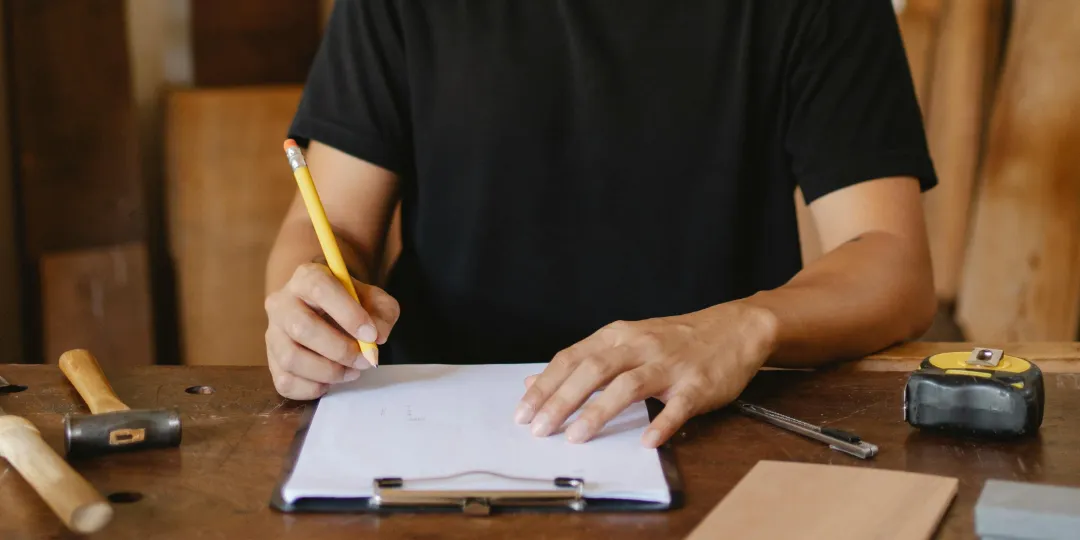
<point x="983" y="392"/>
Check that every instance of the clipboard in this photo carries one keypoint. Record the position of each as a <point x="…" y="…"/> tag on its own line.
<point x="390" y="497"/>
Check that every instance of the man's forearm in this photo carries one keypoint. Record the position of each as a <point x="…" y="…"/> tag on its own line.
<point x="864" y="296"/>
<point x="298" y="244"/>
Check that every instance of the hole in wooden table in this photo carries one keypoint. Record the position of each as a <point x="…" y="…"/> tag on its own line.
<point x="124" y="497"/>
<point x="200" y="390"/>
<point x="12" y="388"/>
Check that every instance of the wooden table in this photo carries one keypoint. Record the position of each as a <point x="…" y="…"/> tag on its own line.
<point x="217" y="485"/>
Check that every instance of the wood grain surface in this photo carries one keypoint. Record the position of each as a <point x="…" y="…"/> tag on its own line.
<point x="228" y="186"/>
<point x="11" y="324"/>
<point x="218" y="483"/>
<point x="829" y="501"/>
<point x="98" y="299"/>
<point x="1021" y="277"/>
<point x="954" y="125"/>
<point x="74" y="124"/>
<point x="244" y="42"/>
<point x="919" y="22"/>
<point x="1051" y="357"/>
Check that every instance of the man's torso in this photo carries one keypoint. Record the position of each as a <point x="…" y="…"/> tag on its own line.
<point x="583" y="161"/>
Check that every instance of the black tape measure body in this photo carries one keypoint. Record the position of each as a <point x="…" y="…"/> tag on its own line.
<point x="947" y="393"/>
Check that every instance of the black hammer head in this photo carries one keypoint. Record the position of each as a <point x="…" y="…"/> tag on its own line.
<point x="93" y="434"/>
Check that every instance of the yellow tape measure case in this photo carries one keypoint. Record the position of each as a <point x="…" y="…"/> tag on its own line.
<point x="982" y="392"/>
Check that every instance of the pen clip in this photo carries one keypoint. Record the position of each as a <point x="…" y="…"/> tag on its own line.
<point x="841" y="434"/>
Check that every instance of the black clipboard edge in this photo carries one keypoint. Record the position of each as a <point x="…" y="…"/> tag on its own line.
<point x="322" y="505"/>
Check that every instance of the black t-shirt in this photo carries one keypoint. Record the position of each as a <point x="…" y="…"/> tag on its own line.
<point x="568" y="163"/>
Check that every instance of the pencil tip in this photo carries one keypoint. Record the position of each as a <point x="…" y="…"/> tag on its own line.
<point x="372" y="356"/>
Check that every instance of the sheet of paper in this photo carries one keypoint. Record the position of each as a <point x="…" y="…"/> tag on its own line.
<point x="425" y="421"/>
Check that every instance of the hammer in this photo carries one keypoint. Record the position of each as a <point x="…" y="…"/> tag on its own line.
<point x="112" y="426"/>
<point x="69" y="495"/>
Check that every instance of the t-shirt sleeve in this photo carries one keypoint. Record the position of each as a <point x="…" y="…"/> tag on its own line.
<point x="851" y="106"/>
<point x="355" y="98"/>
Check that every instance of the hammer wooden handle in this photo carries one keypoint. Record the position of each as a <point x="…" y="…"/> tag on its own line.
<point x="85" y="374"/>
<point x="68" y="494"/>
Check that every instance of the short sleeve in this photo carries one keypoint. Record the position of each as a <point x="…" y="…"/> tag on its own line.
<point x="852" y="113"/>
<point x="355" y="98"/>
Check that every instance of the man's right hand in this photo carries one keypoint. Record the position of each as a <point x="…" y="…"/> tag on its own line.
<point x="313" y="329"/>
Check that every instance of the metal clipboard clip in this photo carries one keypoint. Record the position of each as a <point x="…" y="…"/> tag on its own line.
<point x="391" y="492"/>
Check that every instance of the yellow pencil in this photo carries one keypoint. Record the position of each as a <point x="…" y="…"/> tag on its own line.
<point x="325" y="233"/>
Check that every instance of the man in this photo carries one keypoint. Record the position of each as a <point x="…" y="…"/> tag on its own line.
<point x="608" y="186"/>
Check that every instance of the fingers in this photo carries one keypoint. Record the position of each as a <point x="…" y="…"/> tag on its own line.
<point x="297" y="320"/>
<point x="307" y="352"/>
<point x="383" y="308"/>
<point x="317" y="287"/>
<point x="545" y="384"/>
<point x="677" y="412"/>
<point x="289" y="357"/>
<point x="590" y="374"/>
<point x="628" y="388"/>
<point x="292" y="387"/>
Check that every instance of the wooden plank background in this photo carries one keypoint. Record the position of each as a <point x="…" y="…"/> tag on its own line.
<point x="74" y="127"/>
<point x="228" y="188"/>
<point x="159" y="46"/>
<point x="76" y="153"/>
<point x="11" y="324"/>
<point x="1051" y="357"/>
<point x="243" y="42"/>
<point x="99" y="299"/>
<point x="1022" y="280"/>
<point x="954" y="128"/>
<point x="919" y="23"/>
<point x="89" y="82"/>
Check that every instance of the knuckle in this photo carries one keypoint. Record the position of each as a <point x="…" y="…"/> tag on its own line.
<point x="632" y="382"/>
<point x="686" y="407"/>
<point x="283" y="383"/>
<point x="308" y="275"/>
<point x="393" y="310"/>
<point x="594" y="367"/>
<point x="270" y="302"/>
<point x="564" y="359"/>
<point x="308" y="270"/>
<point x="698" y="381"/>
<point x="347" y="350"/>
<point x="620" y="332"/>
<point x="301" y="274"/>
<point x="648" y="342"/>
<point x="533" y="397"/>
<point x="287" y="359"/>
<point x="702" y="381"/>
<point x="337" y="371"/>
<point x="301" y="327"/>
<point x="693" y="390"/>
<point x="318" y="291"/>
<point x="619" y="327"/>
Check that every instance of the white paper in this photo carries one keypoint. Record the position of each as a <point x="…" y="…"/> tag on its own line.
<point x="424" y="421"/>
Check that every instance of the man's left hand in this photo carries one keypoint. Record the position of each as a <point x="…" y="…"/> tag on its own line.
<point x="694" y="363"/>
